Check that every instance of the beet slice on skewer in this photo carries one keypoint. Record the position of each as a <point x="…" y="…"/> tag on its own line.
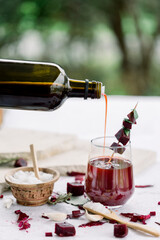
<point x="117" y="148"/>
<point x="133" y="115"/>
<point x="127" y="124"/>
<point x="122" y="137"/>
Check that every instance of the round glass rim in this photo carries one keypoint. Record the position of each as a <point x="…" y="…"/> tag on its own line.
<point x="108" y="137"/>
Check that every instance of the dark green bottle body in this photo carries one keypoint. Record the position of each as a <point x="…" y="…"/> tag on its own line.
<point x="39" y="86"/>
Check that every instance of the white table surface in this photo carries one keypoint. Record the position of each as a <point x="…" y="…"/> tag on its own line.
<point x="86" y="119"/>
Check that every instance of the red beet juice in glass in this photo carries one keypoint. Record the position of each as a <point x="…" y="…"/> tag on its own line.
<point x="109" y="183"/>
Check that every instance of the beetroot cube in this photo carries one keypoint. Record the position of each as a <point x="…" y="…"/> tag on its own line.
<point x="64" y="229"/>
<point x="152" y="213"/>
<point x="76" y="213"/>
<point x="122" y="137"/>
<point x="48" y="234"/>
<point x="117" y="148"/>
<point x="133" y="116"/>
<point x="1" y="196"/>
<point x="120" y="230"/>
<point x="76" y="188"/>
<point x="127" y="124"/>
<point x="20" y="163"/>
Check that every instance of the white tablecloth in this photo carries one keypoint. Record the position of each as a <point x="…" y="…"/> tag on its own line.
<point x="143" y="201"/>
<point x="86" y="119"/>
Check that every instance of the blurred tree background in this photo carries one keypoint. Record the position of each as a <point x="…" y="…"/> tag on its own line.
<point x="113" y="41"/>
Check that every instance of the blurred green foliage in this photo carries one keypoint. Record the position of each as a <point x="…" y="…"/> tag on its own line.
<point x="113" y="41"/>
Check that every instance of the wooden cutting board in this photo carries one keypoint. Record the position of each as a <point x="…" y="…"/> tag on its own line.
<point x="61" y="152"/>
<point x="15" y="143"/>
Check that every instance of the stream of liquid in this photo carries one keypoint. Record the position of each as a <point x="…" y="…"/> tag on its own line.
<point x="105" y="121"/>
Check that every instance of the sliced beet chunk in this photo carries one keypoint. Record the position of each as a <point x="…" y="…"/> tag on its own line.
<point x="120" y="230"/>
<point x="48" y="234"/>
<point x="127" y="124"/>
<point x="64" y="229"/>
<point x="122" y="137"/>
<point x="112" y="221"/>
<point x="20" y="163"/>
<point x="117" y="148"/>
<point x="17" y="211"/>
<point x="153" y="213"/>
<point x="24" y="225"/>
<point x="134" y="217"/>
<point x="76" y="214"/>
<point x="133" y="115"/>
<point x="22" y="216"/>
<point x="76" y="188"/>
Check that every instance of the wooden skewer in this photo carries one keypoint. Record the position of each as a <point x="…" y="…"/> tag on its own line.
<point x="112" y="215"/>
<point x="136" y="105"/>
<point x="111" y="158"/>
<point x="34" y="160"/>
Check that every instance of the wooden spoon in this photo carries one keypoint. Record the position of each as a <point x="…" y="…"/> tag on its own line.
<point x="100" y="209"/>
<point x="34" y="160"/>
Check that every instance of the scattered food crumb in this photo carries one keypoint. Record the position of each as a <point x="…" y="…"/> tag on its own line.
<point x="48" y="234"/>
<point x="8" y="202"/>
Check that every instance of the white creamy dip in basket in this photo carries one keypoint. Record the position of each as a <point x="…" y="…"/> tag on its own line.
<point x="28" y="177"/>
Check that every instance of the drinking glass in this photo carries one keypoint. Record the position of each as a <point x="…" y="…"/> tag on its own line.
<point x="109" y="178"/>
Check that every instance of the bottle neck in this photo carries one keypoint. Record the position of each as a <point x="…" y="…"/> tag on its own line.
<point x="85" y="89"/>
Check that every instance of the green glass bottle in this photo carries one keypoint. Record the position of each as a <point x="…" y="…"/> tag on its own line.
<point x="40" y="86"/>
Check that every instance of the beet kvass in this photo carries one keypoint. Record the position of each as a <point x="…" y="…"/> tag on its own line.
<point x="109" y="183"/>
<point x="109" y="178"/>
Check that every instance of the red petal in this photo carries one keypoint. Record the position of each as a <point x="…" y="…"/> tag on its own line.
<point x="143" y="186"/>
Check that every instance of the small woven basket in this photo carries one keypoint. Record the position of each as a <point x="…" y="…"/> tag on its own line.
<point x="32" y="194"/>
